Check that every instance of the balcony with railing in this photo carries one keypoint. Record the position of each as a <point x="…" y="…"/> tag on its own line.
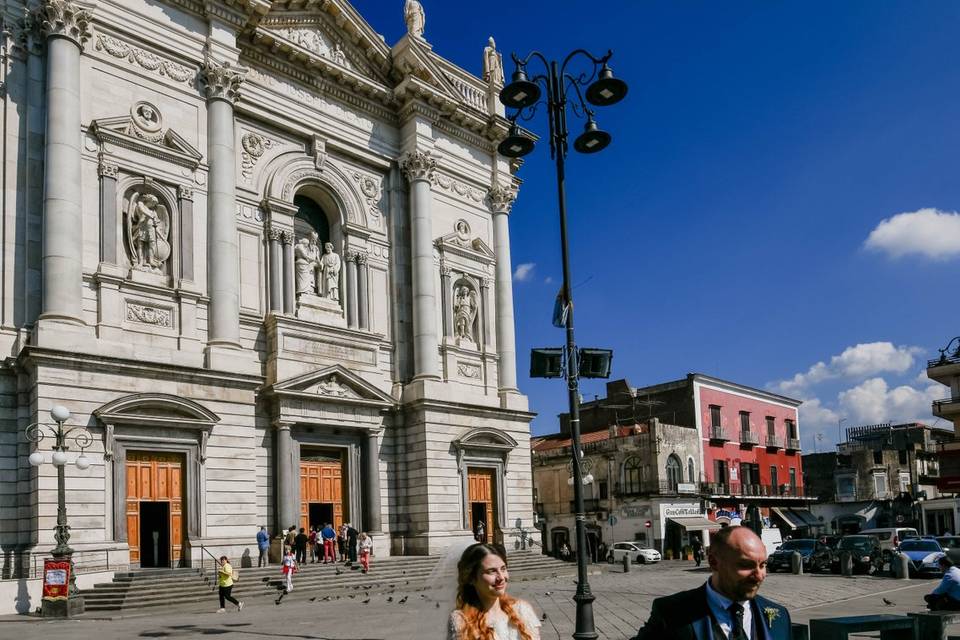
<point x="718" y="489"/>
<point x="946" y="408"/>
<point x="718" y="434"/>
<point x="655" y="487"/>
<point x="774" y="441"/>
<point x="749" y="437"/>
<point x="947" y="366"/>
<point x="793" y="444"/>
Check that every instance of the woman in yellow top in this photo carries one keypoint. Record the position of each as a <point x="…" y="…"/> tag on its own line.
<point x="225" y="582"/>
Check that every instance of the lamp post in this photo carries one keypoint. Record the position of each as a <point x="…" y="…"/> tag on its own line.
<point x="602" y="89"/>
<point x="73" y="604"/>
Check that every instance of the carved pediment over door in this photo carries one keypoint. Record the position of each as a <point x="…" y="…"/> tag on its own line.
<point x="485" y="443"/>
<point x="333" y="396"/>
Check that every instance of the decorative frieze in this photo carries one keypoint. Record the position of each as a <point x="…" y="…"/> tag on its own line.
<point x="468" y="370"/>
<point x="66" y="19"/>
<point x="253" y="145"/>
<point x="418" y="165"/>
<point x="144" y="314"/>
<point x="221" y="80"/>
<point x="145" y="59"/>
<point x="461" y="189"/>
<point x="108" y="169"/>
<point x="372" y="189"/>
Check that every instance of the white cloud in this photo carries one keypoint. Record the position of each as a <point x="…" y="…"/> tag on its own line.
<point x="816" y="417"/>
<point x="859" y="361"/>
<point x="873" y="402"/>
<point x="548" y="280"/>
<point x="928" y="232"/>
<point x="524" y="271"/>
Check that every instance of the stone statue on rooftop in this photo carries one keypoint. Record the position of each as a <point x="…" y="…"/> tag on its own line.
<point x="414" y="17"/>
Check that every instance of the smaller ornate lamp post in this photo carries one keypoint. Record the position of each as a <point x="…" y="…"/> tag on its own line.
<point x="73" y="603"/>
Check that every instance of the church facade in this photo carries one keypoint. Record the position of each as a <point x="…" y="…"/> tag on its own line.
<point x="263" y="258"/>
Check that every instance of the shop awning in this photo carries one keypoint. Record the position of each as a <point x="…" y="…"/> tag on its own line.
<point x="695" y="523"/>
<point x="788" y="518"/>
<point x="807" y="518"/>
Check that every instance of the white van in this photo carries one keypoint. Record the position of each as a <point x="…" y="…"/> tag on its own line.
<point x="890" y="537"/>
<point x="771" y="539"/>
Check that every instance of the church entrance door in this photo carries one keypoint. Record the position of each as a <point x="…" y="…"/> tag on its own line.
<point x="154" y="508"/>
<point x="321" y="491"/>
<point x="481" y="498"/>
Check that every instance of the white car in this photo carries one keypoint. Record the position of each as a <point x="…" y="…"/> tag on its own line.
<point x="638" y="554"/>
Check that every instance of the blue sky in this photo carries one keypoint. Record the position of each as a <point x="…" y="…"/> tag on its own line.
<point x="776" y="207"/>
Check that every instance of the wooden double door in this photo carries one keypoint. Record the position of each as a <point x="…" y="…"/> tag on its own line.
<point x="321" y="493"/>
<point x="154" y="508"/>
<point x="481" y="502"/>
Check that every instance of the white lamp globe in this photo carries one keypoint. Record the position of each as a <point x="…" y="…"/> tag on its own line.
<point x="59" y="413"/>
<point x="83" y="462"/>
<point x="570" y="481"/>
<point x="588" y="478"/>
<point x="36" y="459"/>
<point x="59" y="458"/>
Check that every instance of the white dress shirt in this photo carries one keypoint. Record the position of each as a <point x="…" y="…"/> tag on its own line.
<point x="719" y="605"/>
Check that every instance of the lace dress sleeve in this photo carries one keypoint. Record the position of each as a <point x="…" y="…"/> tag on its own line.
<point x="530" y="619"/>
<point x="455" y="626"/>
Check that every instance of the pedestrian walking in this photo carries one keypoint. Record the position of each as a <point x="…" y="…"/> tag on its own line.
<point x="263" y="545"/>
<point x="300" y="543"/>
<point x="352" y="535"/>
<point x="225" y="579"/>
<point x="342" y="542"/>
<point x="329" y="538"/>
<point x="289" y="568"/>
<point x="697" y="550"/>
<point x="727" y="605"/>
<point x="312" y="544"/>
<point x="484" y="610"/>
<point x="366" y="550"/>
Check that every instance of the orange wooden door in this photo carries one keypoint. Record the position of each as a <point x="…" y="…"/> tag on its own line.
<point x="154" y="477"/>
<point x="321" y="482"/>
<point x="480" y="489"/>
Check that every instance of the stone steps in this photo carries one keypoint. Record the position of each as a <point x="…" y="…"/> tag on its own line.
<point x="148" y="588"/>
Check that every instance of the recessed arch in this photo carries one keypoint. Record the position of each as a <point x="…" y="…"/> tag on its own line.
<point x="291" y="173"/>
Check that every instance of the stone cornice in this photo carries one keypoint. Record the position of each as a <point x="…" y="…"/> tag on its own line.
<point x="66" y="19"/>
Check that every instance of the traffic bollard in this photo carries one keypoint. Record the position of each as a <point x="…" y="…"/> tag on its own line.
<point x="796" y="563"/>
<point x="626" y="563"/>
<point x="846" y="563"/>
<point x="903" y="566"/>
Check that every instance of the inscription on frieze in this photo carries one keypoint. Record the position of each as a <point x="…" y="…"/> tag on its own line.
<point x="328" y="349"/>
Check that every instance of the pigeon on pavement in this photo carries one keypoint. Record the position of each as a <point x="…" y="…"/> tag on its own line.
<point x="888" y="603"/>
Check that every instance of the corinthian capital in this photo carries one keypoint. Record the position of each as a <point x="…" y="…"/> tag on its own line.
<point x="66" y="19"/>
<point x="501" y="199"/>
<point x="221" y="80"/>
<point x="418" y="165"/>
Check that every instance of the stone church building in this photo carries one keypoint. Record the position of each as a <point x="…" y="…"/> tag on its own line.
<point x="263" y="258"/>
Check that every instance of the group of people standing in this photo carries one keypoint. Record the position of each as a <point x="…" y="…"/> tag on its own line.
<point x="325" y="545"/>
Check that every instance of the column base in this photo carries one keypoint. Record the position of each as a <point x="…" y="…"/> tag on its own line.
<point x="233" y="359"/>
<point x="61" y="332"/>
<point x="64" y="608"/>
<point x="514" y="400"/>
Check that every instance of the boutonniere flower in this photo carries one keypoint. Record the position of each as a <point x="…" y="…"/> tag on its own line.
<point x="772" y="614"/>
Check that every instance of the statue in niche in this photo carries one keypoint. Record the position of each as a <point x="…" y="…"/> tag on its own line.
<point x="330" y="273"/>
<point x="306" y="260"/>
<point x="465" y="308"/>
<point x="148" y="232"/>
<point x="414" y="17"/>
<point x="492" y="64"/>
<point x="338" y="56"/>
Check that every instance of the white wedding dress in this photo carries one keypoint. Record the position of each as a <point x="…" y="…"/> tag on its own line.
<point x="502" y="628"/>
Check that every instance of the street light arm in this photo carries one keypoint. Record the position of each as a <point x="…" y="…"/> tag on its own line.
<point x="595" y="60"/>
<point x="581" y="109"/>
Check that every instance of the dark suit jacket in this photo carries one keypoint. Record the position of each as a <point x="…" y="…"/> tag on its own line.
<point x="686" y="616"/>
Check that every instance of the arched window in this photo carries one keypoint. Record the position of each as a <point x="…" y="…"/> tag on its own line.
<point x="310" y="217"/>
<point x="631" y="475"/>
<point x="674" y="472"/>
<point x="691" y="471"/>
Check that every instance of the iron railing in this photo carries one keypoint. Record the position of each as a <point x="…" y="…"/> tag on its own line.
<point x="793" y="444"/>
<point x="718" y="433"/>
<point x="26" y="565"/>
<point x="938" y="405"/>
<point x="650" y="487"/>
<point x="774" y="441"/>
<point x="749" y="437"/>
<point x="751" y="490"/>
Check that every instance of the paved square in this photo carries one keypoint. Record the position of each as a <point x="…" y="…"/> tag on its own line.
<point x="623" y="603"/>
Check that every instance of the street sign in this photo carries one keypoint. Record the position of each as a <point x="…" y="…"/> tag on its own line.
<point x="612" y="520"/>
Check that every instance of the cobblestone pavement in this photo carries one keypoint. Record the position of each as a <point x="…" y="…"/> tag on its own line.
<point x="622" y="604"/>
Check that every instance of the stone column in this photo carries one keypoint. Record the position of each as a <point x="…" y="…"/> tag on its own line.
<point x="351" y="260"/>
<point x="371" y="472"/>
<point x="221" y="82"/>
<point x="276" y="270"/>
<point x="289" y="278"/>
<point x="66" y="25"/>
<point x="501" y="200"/>
<point x="108" y="212"/>
<point x="363" y="304"/>
<point x="446" y="299"/>
<point x="418" y="167"/>
<point x="185" y="200"/>
<point x="288" y="471"/>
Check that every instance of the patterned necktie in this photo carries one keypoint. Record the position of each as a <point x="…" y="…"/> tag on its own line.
<point x="736" y="616"/>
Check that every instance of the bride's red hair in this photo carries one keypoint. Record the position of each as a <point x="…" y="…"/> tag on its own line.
<point x="475" y="625"/>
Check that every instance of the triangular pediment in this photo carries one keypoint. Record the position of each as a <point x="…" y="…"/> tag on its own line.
<point x="146" y="133"/>
<point x="460" y="242"/>
<point x="334" y="383"/>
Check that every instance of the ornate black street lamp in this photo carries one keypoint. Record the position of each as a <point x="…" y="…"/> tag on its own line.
<point x="82" y="439"/>
<point x="523" y="93"/>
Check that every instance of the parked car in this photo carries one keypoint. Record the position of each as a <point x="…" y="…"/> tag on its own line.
<point x="816" y="556"/>
<point x="638" y="554"/>
<point x="890" y="537"/>
<point x="951" y="547"/>
<point x="831" y="541"/>
<point x="865" y="551"/>
<point x="924" y="556"/>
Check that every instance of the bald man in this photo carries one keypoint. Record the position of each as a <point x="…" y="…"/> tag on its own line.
<point x="727" y="606"/>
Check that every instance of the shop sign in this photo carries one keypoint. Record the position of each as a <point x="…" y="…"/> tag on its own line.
<point x="56" y="579"/>
<point x="680" y="510"/>
<point x="635" y="511"/>
<point x="723" y="513"/>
